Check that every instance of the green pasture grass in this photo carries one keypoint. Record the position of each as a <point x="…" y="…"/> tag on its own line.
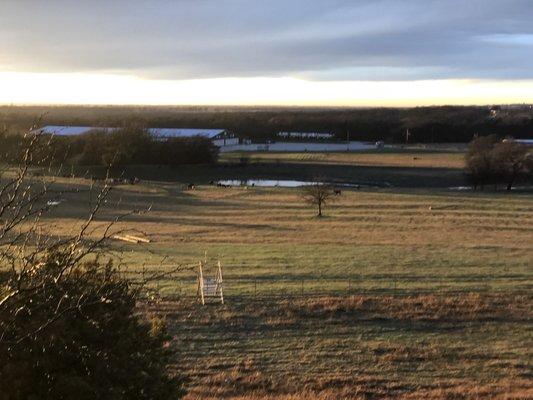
<point x="268" y="340"/>
<point x="269" y="240"/>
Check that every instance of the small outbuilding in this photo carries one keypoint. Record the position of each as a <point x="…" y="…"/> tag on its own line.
<point x="527" y="142"/>
<point x="305" y="135"/>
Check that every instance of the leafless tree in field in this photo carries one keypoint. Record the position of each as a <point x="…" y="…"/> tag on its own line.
<point x="317" y="194"/>
<point x="491" y="160"/>
<point x="512" y="161"/>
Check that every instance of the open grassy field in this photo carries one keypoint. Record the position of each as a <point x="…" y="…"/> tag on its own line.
<point x="395" y="293"/>
<point x="398" y="168"/>
<point x="382" y="158"/>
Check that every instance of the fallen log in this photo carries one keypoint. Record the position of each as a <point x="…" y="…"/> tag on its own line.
<point x="138" y="239"/>
<point x="125" y="239"/>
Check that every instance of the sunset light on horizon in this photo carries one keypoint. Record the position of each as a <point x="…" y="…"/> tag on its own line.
<point x="233" y="52"/>
<point x="92" y="89"/>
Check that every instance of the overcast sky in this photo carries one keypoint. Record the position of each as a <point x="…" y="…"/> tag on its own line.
<point x="310" y="40"/>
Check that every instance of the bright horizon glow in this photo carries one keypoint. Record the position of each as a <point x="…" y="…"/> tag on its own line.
<point x="113" y="89"/>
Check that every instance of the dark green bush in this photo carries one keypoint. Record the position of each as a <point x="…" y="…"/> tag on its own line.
<point x="79" y="337"/>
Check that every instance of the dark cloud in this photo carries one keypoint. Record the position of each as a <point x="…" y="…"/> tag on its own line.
<point x="322" y="39"/>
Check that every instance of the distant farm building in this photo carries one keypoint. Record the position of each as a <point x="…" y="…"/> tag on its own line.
<point x="219" y="137"/>
<point x="527" y="142"/>
<point x="305" y="135"/>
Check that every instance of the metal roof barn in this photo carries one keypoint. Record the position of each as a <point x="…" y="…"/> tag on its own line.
<point x="184" y="133"/>
<point x="156" y="132"/>
<point x="67" y="130"/>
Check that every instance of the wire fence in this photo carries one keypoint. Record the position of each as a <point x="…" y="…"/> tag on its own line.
<point x="290" y="288"/>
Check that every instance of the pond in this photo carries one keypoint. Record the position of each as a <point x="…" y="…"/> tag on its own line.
<point x="287" y="183"/>
<point x="264" y="183"/>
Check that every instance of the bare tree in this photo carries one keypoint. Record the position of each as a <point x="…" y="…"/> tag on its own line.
<point x="478" y="160"/>
<point x="511" y="161"/>
<point x="317" y="194"/>
<point x="491" y="160"/>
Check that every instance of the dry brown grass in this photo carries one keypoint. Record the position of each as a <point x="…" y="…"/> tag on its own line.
<point x="517" y="389"/>
<point x="356" y="347"/>
<point x="417" y="159"/>
<point x="257" y="216"/>
<point x="429" y="308"/>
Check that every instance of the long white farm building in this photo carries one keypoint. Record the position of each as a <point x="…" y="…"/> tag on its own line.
<point x="305" y="135"/>
<point x="219" y="137"/>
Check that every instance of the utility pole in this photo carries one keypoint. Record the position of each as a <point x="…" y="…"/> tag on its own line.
<point x="347" y="136"/>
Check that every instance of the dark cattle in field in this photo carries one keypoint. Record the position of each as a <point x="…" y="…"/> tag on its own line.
<point x="337" y="192"/>
<point x="191" y="186"/>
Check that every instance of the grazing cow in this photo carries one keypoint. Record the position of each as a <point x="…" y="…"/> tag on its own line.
<point x="337" y="192"/>
<point x="191" y="186"/>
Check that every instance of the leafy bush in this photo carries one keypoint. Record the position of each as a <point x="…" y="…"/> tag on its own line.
<point x="75" y="334"/>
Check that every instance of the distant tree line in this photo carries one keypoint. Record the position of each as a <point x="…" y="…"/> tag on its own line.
<point x="490" y="160"/>
<point x="425" y="124"/>
<point x="128" y="145"/>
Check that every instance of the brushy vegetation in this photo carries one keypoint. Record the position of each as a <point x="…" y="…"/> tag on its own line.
<point x="79" y="337"/>
<point x="131" y="144"/>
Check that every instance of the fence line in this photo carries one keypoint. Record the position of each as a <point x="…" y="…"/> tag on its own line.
<point x="291" y="288"/>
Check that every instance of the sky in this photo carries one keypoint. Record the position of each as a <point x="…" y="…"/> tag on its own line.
<point x="275" y="52"/>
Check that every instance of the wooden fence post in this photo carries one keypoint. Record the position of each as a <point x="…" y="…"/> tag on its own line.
<point x="201" y="284"/>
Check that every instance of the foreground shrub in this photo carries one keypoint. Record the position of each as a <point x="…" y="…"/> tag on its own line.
<point x="74" y="334"/>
